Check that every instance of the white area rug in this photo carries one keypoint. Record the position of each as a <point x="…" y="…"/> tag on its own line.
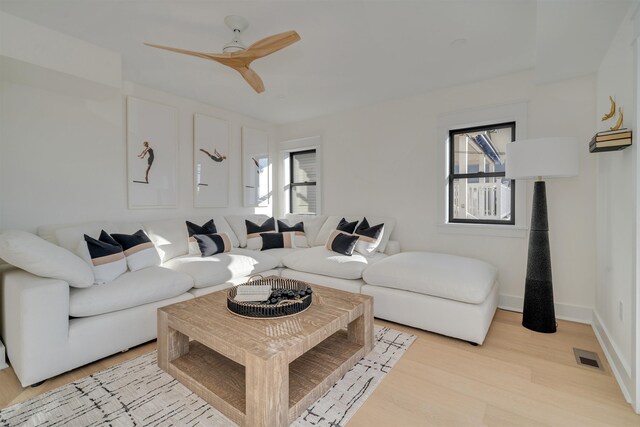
<point x="138" y="393"/>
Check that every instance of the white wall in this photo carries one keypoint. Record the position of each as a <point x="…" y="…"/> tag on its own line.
<point x="614" y="312"/>
<point x="387" y="159"/>
<point x="62" y="156"/>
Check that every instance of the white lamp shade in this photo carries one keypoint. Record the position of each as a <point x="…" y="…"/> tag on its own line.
<point x="545" y="157"/>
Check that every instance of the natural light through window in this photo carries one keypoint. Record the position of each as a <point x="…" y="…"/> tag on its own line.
<point x="303" y="182"/>
<point x="478" y="189"/>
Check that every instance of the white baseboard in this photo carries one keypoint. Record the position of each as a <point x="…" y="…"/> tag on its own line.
<point x="574" y="313"/>
<point x="621" y="369"/>
<point x="3" y="359"/>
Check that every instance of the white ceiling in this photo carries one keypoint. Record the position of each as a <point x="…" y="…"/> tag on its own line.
<point x="352" y="53"/>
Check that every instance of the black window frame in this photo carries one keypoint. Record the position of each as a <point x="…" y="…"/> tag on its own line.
<point x="293" y="184"/>
<point x="453" y="176"/>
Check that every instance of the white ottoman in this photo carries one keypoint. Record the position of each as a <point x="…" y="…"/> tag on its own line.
<point x="446" y="294"/>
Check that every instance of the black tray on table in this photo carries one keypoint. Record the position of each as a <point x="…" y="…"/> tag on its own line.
<point x="284" y="308"/>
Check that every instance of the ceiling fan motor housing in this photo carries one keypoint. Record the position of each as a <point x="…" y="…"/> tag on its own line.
<point x="237" y="24"/>
<point x="234" y="45"/>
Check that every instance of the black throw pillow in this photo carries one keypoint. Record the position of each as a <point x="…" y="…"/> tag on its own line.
<point x="283" y="226"/>
<point x="208" y="227"/>
<point x="276" y="240"/>
<point x="105" y="257"/>
<point x="347" y="227"/>
<point x="370" y="237"/>
<point x="211" y="244"/>
<point x="342" y="243"/>
<point x="299" y="236"/>
<point x="254" y="240"/>
<point x="138" y="249"/>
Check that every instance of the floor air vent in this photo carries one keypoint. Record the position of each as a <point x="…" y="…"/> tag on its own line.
<point x="587" y="358"/>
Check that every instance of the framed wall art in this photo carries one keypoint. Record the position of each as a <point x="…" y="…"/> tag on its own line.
<point x="256" y="169"/>
<point x="210" y="162"/>
<point x="152" y="152"/>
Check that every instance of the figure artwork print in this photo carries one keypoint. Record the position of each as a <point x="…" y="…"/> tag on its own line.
<point x="255" y="167"/>
<point x="146" y="151"/>
<point x="210" y="164"/>
<point x="152" y="141"/>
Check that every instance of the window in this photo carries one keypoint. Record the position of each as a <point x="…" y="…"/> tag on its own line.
<point x="478" y="189"/>
<point x="303" y="173"/>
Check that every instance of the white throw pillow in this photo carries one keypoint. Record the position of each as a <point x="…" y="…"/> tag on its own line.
<point x="37" y="256"/>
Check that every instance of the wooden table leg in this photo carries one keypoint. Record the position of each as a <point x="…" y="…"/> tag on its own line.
<point x="267" y="388"/>
<point x="360" y="331"/>
<point x="171" y="343"/>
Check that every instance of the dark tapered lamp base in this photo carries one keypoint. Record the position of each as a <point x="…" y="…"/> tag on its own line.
<point x="538" y="313"/>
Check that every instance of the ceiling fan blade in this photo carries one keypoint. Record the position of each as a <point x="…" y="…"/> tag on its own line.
<point x="183" y="51"/>
<point x="270" y="44"/>
<point x="229" y="59"/>
<point x="252" y="78"/>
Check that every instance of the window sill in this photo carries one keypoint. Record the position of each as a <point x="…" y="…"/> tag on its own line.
<point x="492" y="230"/>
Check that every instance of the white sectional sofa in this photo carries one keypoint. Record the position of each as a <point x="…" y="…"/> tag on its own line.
<point x="50" y="327"/>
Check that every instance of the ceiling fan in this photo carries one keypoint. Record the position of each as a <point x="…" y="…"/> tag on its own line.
<point x="239" y="57"/>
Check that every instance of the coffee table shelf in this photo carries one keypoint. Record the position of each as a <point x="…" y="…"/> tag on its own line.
<point x="308" y="374"/>
<point x="264" y="372"/>
<point x="311" y="374"/>
<point x="212" y="372"/>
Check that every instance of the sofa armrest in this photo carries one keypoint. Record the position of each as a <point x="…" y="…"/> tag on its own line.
<point x="393" y="247"/>
<point x="35" y="323"/>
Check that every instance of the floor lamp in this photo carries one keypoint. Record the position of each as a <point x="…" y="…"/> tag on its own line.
<point x="538" y="159"/>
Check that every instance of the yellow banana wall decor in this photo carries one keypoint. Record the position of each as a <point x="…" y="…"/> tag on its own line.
<point x="612" y="112"/>
<point x="619" y="122"/>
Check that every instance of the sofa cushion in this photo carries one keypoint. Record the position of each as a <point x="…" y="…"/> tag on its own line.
<point x="169" y="237"/>
<point x="42" y="258"/>
<point x="219" y="268"/>
<point x="446" y="276"/>
<point x="312" y="225"/>
<point x="319" y="260"/>
<point x="332" y="222"/>
<point x="239" y="227"/>
<point x="128" y="227"/>
<point x="69" y="236"/>
<point x="279" y="253"/>
<point x="129" y="290"/>
<point x="349" y="285"/>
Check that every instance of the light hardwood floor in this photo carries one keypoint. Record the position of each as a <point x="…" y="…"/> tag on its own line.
<point x="517" y="378"/>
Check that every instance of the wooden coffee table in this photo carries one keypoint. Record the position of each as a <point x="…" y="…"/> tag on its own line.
<point x="264" y="372"/>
